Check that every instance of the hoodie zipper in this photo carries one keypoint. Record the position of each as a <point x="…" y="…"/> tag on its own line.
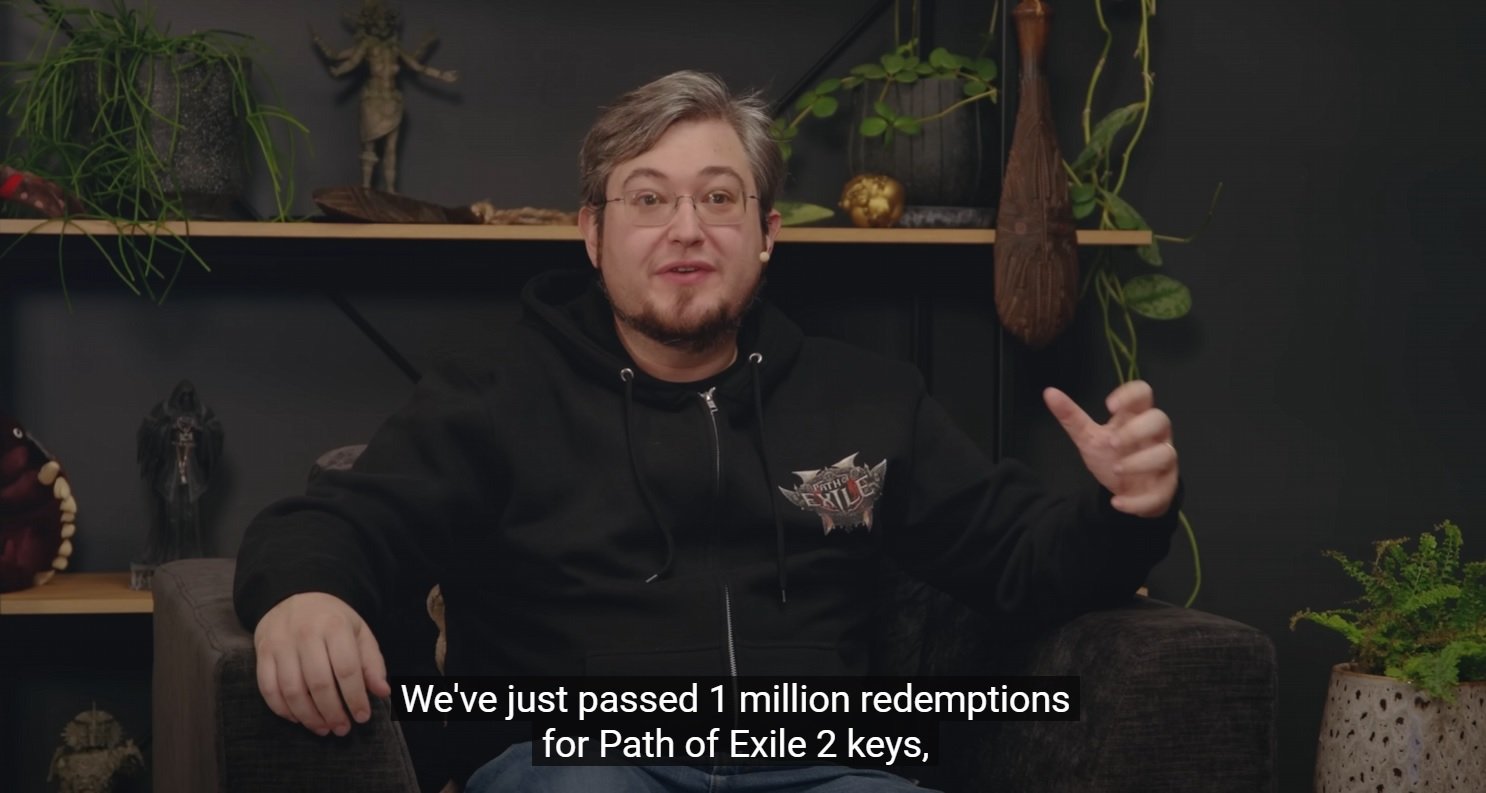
<point x="727" y="599"/>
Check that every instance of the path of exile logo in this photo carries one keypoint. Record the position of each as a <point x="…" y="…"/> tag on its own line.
<point x="842" y="494"/>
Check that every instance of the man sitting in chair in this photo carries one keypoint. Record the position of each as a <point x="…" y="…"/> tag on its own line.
<point x="661" y="475"/>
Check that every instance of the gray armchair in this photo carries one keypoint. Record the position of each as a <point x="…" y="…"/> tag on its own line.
<point x="1173" y="700"/>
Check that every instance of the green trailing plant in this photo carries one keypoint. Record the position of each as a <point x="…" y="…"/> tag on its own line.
<point x="81" y="116"/>
<point x="1422" y="614"/>
<point x="1096" y="177"/>
<point x="902" y="65"/>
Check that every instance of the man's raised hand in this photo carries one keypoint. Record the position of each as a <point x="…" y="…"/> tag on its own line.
<point x="1132" y="454"/>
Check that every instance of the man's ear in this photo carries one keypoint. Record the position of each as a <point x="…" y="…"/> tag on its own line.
<point x="588" y="224"/>
<point x="771" y="233"/>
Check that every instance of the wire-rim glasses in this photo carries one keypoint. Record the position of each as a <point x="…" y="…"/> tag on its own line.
<point x="715" y="207"/>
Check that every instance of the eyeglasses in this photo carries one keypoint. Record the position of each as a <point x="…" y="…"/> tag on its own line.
<point x="716" y="207"/>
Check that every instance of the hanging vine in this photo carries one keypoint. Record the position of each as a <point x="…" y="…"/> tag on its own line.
<point x="1094" y="186"/>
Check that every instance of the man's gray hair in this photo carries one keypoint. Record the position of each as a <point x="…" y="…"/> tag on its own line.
<point x="631" y="126"/>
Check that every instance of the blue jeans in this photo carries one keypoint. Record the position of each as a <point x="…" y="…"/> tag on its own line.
<point x="513" y="772"/>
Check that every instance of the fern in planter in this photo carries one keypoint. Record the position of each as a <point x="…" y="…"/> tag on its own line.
<point x="1422" y="615"/>
<point x="98" y="108"/>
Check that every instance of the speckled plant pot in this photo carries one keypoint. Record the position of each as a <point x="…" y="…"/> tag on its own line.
<point x="197" y="132"/>
<point x="1379" y="734"/>
<point x="203" y="149"/>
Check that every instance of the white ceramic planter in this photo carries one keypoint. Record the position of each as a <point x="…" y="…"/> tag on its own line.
<point x="1379" y="735"/>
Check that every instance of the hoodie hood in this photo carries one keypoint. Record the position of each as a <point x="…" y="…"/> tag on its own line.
<point x="570" y="308"/>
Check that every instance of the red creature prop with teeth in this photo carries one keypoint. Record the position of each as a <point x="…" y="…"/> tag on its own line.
<point x="37" y="511"/>
<point x="33" y="192"/>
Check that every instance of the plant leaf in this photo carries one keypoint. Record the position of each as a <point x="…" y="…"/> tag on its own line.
<point x="1332" y="620"/>
<point x="827" y="87"/>
<point x="1081" y="211"/>
<point x="1157" y="296"/>
<point x="872" y="126"/>
<point x="798" y="213"/>
<point x="907" y="125"/>
<point x="975" y="88"/>
<point x="906" y="76"/>
<point x="824" y="107"/>
<point x="884" y="109"/>
<point x="985" y="68"/>
<point x="871" y="71"/>
<point x="1125" y="216"/>
<point x="924" y="69"/>
<point x="892" y="63"/>
<point x="1102" y="137"/>
<point x="1081" y="193"/>
<point x="1085" y="159"/>
<point x="941" y="59"/>
<point x="1150" y="254"/>
<point x="851" y="82"/>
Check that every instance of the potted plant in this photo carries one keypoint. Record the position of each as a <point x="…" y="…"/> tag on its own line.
<point x="143" y="127"/>
<point x="914" y="122"/>
<point x="1409" y="710"/>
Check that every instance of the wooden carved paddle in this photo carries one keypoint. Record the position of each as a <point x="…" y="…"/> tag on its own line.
<point x="377" y="206"/>
<point x="1036" y="253"/>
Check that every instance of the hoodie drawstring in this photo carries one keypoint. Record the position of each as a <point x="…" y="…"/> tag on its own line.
<point x="628" y="376"/>
<point x="755" y="360"/>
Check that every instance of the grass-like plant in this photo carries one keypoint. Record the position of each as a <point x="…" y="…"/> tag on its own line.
<point x="82" y="116"/>
<point x="1422" y="615"/>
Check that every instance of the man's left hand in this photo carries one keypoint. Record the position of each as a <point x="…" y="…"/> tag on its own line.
<point x="1131" y="455"/>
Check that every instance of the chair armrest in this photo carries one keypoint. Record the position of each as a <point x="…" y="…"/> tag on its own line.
<point x="1173" y="700"/>
<point x="212" y="729"/>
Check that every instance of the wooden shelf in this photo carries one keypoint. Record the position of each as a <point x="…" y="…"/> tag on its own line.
<point x="430" y="231"/>
<point x="79" y="593"/>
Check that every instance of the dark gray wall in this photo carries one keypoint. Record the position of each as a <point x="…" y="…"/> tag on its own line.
<point x="532" y="76"/>
<point x="1320" y="389"/>
<point x="1326" y="390"/>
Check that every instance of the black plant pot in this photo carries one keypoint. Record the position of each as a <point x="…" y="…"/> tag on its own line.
<point x="943" y="166"/>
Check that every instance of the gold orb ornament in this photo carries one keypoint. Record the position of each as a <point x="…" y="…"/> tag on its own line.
<point x="873" y="200"/>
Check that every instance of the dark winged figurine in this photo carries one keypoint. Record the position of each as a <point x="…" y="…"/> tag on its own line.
<point x="179" y="445"/>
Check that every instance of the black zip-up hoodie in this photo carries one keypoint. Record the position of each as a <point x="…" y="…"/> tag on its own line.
<point x="585" y="518"/>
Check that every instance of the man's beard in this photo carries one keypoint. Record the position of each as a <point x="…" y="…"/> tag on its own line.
<point x="696" y="336"/>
